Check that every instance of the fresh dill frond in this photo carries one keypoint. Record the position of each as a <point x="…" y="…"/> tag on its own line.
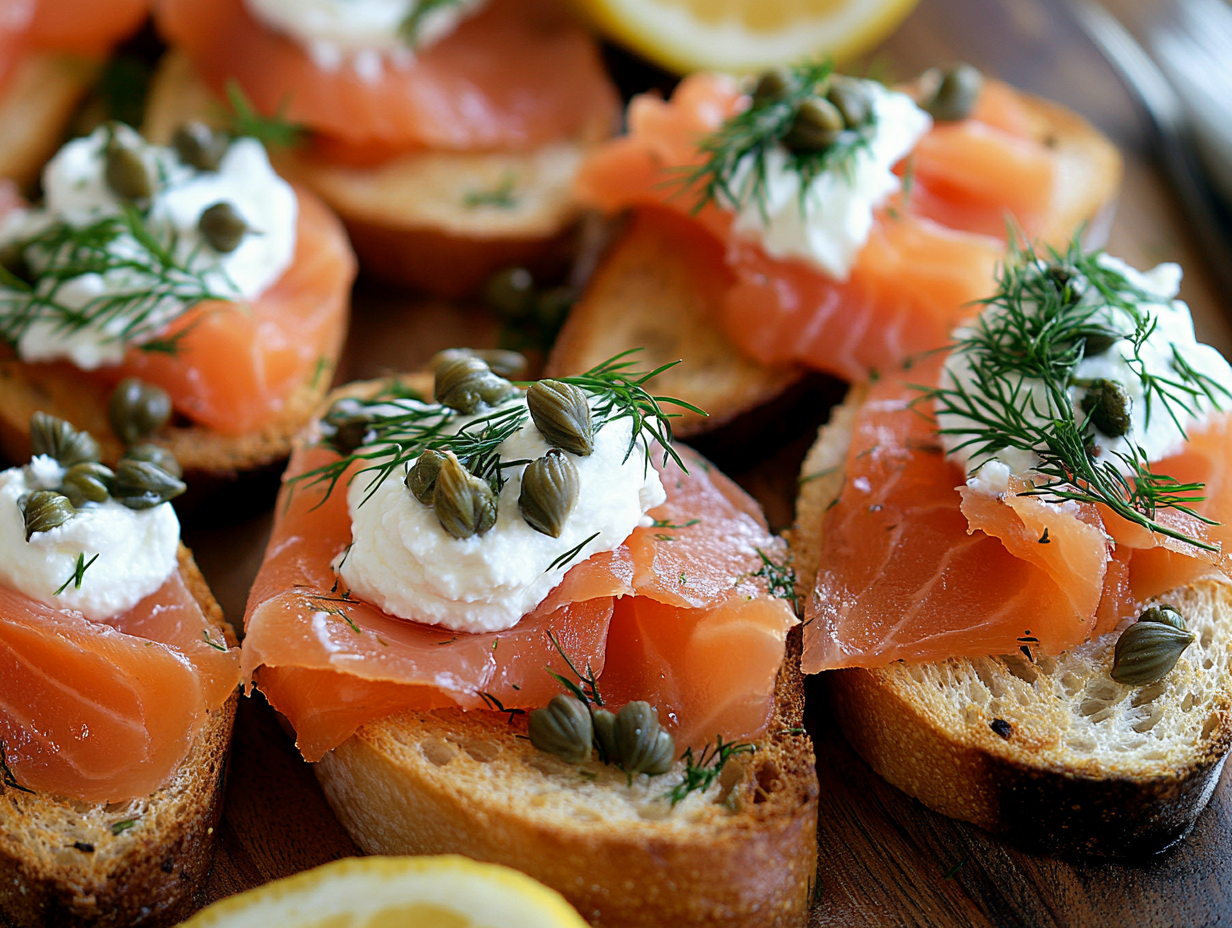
<point x="586" y="689"/>
<point x="735" y="169"/>
<point x="271" y="131"/>
<point x="700" y="773"/>
<point x="1022" y="360"/>
<point x="780" y="577"/>
<point x="410" y="28"/>
<point x="78" y="574"/>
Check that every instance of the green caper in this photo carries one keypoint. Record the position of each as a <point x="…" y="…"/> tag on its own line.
<point x="1097" y="340"/>
<point x="549" y="493"/>
<point x="502" y="362"/>
<point x="199" y="146"/>
<point x="851" y="99"/>
<point x="562" y="416"/>
<point x="643" y="746"/>
<point x="1070" y="283"/>
<point x="604" y="723"/>
<point x="1147" y="651"/>
<point x="13" y="260"/>
<point x="1166" y="615"/>
<point x="126" y="172"/>
<point x="956" y="93"/>
<point x="89" y="482"/>
<point x="552" y="306"/>
<point x="773" y="85"/>
<point x="58" y="439"/>
<point x="562" y="728"/>
<point x="465" y="505"/>
<point x="421" y="478"/>
<point x="154" y="454"/>
<point x="143" y="485"/>
<point x="347" y="425"/>
<point x="468" y="385"/>
<point x="511" y="293"/>
<point x="1109" y="405"/>
<point x="136" y="409"/>
<point x="44" y="510"/>
<point x="817" y="126"/>
<point x="223" y="227"/>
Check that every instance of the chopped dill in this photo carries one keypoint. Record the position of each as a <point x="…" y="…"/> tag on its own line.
<point x="271" y="131"/>
<point x="410" y="28"/>
<point x="79" y="573"/>
<point x="570" y="554"/>
<point x="780" y="577"/>
<point x="587" y="688"/>
<point x="701" y="772"/>
<point x="9" y="779"/>
<point x="499" y="197"/>
<point x="664" y="523"/>
<point x="120" y="827"/>
<point x="205" y="634"/>
<point x="496" y="705"/>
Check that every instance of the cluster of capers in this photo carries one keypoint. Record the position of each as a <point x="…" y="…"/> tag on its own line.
<point x="949" y="95"/>
<point x="835" y="110"/>
<point x="631" y="739"/>
<point x="519" y="302"/>
<point x="1148" y="650"/>
<point x="146" y="476"/>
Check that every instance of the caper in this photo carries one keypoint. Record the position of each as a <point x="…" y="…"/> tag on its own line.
<point x="511" y="293"/>
<point x="851" y="99"/>
<point x="154" y="454"/>
<point x="549" y="493"/>
<point x="1108" y="403"/>
<point x="421" y="478"/>
<point x="88" y="482"/>
<point x="1147" y="651"/>
<point x="465" y="505"/>
<point x="773" y="85"/>
<point x="44" y="510"/>
<point x="13" y="260"/>
<point x="199" y="146"/>
<point x="1097" y="340"/>
<point x="956" y="93"/>
<point x="562" y="415"/>
<point x="58" y="439"/>
<point x="604" y="723"/>
<point x="1070" y="283"/>
<point x="562" y="728"/>
<point x="1166" y="615"/>
<point x="643" y="746"/>
<point x="552" y="306"/>
<point x="143" y="485"/>
<point x="501" y="361"/>
<point x="468" y="385"/>
<point x="817" y="126"/>
<point x="136" y="409"/>
<point x="126" y="172"/>
<point x="223" y="227"/>
<point x="347" y="425"/>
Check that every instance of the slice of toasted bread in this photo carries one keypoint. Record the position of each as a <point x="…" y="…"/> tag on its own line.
<point x="438" y="221"/>
<point x="1081" y="763"/>
<point x="35" y="105"/>
<point x="67" y="862"/>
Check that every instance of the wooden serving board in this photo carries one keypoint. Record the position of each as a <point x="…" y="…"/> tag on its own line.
<point x="885" y="859"/>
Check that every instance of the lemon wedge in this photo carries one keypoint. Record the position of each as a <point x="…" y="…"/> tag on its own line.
<point x="396" y="892"/>
<point x="740" y="36"/>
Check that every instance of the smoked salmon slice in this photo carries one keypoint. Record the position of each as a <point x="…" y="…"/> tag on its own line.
<point x="105" y="711"/>
<point x="515" y="76"/>
<point x="84" y="27"/>
<point x="917" y="567"/>
<point x="678" y="615"/>
<point x="932" y="253"/>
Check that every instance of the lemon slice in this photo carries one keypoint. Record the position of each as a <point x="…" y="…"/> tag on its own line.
<point x="745" y="35"/>
<point x="396" y="892"/>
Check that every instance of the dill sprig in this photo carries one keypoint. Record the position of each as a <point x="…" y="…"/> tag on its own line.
<point x="274" y="131"/>
<point x="586" y="689"/>
<point x="1045" y="314"/>
<point x="701" y="772"/>
<point x="162" y="288"/>
<point x="736" y="163"/>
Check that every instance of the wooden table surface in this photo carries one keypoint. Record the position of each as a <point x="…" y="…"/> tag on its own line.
<point x="885" y="859"/>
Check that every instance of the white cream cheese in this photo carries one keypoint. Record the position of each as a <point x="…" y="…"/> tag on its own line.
<point x="136" y="550"/>
<point x="403" y="561"/>
<point x="77" y="193"/>
<point x="831" y="222"/>
<point x="1152" y="429"/>
<point x="364" y="33"/>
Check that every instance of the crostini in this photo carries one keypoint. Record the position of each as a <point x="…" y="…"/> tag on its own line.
<point x="517" y="624"/>
<point x="186" y="295"/>
<point x="446" y="135"/>
<point x="1023" y="547"/>
<point x="118" y="681"/>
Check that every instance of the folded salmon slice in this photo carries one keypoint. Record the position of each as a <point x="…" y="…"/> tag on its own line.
<point x="105" y="711"/>
<point x="85" y="27"/>
<point x="932" y="253"/>
<point x="915" y="566"/>
<point x="515" y="76"/>
<point x="684" y="592"/>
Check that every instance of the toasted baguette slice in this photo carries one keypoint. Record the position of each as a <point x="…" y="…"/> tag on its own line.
<point x="647" y="292"/>
<point x="438" y="221"/>
<point x="35" y="106"/>
<point x="1089" y="765"/>
<point x="62" y="861"/>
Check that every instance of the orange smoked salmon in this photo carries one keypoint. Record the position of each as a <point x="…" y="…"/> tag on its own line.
<point x="932" y="252"/>
<point x="678" y="615"/>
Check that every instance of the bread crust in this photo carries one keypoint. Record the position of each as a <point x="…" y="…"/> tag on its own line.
<point x="36" y="104"/>
<point x="60" y="863"/>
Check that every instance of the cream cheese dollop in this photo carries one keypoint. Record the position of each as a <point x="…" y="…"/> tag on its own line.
<point x="403" y="561"/>
<point x="828" y="224"/>
<point x="1152" y="429"/>
<point x="77" y="193"/>
<point x="136" y="549"/>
